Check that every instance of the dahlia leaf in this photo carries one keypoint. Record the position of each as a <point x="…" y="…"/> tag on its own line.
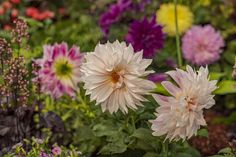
<point x="226" y="87"/>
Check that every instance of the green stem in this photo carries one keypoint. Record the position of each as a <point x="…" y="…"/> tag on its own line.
<point x="165" y="148"/>
<point x="179" y="55"/>
<point x="81" y="100"/>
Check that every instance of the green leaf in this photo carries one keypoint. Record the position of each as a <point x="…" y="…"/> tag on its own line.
<point x="203" y="132"/>
<point x="160" y="89"/>
<point x="113" y="148"/>
<point x="226" y="150"/>
<point x="151" y="154"/>
<point x="216" y="75"/>
<point x="116" y="143"/>
<point x="182" y="155"/>
<point x="106" y="128"/>
<point x="145" y="140"/>
<point x="226" y="87"/>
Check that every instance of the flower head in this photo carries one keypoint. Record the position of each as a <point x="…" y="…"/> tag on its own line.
<point x="15" y="1"/>
<point x="166" y="17"/>
<point x="56" y="150"/>
<point x="113" y="14"/>
<point x="146" y="36"/>
<point x="181" y="115"/>
<point x="60" y="69"/>
<point x="113" y="76"/>
<point x="199" y="50"/>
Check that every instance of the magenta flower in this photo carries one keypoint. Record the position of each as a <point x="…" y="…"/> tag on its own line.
<point x="202" y="45"/>
<point x="56" y="150"/>
<point x="146" y="36"/>
<point x="113" y="14"/>
<point x="59" y="71"/>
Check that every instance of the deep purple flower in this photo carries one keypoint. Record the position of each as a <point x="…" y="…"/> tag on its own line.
<point x="157" y="77"/>
<point x="113" y="14"/>
<point x="146" y="36"/>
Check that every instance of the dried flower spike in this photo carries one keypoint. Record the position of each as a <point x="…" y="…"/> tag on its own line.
<point x="20" y="31"/>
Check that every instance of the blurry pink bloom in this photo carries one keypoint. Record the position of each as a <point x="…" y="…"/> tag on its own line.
<point x="56" y="150"/>
<point x="2" y="11"/>
<point x="7" y="5"/>
<point x="15" y="1"/>
<point x="62" y="11"/>
<point x="30" y="11"/>
<point x="181" y="114"/>
<point x="39" y="15"/>
<point x="60" y="70"/>
<point x="202" y="45"/>
<point x="48" y="14"/>
<point x="14" y="13"/>
<point x="7" y="27"/>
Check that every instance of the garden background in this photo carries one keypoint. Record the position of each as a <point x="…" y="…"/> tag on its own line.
<point x="48" y="106"/>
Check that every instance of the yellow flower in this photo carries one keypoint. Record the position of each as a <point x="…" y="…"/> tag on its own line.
<point x="166" y="17"/>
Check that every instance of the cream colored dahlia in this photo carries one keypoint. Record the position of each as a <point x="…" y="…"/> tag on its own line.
<point x="113" y="76"/>
<point x="181" y="114"/>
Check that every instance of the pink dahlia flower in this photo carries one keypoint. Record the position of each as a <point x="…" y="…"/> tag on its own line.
<point x="201" y="45"/>
<point x="59" y="71"/>
<point x="180" y="115"/>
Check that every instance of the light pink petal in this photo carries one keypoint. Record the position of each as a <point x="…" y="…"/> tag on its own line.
<point x="171" y="88"/>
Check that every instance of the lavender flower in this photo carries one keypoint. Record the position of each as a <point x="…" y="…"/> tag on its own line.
<point x="146" y="36"/>
<point x="202" y="45"/>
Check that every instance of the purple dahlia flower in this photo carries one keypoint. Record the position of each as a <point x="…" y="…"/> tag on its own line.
<point x="146" y="36"/>
<point x="113" y="14"/>
<point x="202" y="45"/>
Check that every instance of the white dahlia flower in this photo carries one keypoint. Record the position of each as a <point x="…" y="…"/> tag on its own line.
<point x="113" y="76"/>
<point x="181" y="115"/>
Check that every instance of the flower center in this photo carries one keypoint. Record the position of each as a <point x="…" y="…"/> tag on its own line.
<point x="191" y="103"/>
<point x="114" y="77"/>
<point x="62" y="68"/>
<point x="117" y="78"/>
